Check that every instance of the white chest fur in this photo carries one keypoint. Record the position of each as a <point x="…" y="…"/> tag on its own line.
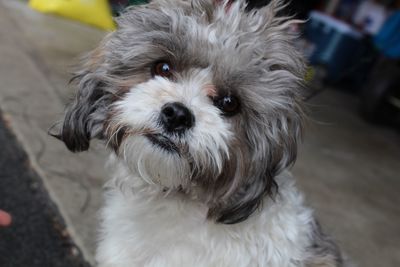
<point x="143" y="227"/>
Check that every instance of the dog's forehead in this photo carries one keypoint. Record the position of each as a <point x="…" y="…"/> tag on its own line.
<point x="203" y="33"/>
<point x="218" y="41"/>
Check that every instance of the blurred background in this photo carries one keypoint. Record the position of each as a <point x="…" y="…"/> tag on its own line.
<point x="348" y="165"/>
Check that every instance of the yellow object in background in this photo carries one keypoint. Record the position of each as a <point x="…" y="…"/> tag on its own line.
<point x="310" y="73"/>
<point x="93" y="12"/>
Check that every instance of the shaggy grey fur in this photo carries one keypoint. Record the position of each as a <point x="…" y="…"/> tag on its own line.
<point x="324" y="252"/>
<point x="252" y="57"/>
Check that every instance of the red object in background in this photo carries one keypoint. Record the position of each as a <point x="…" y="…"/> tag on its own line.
<point x="5" y="218"/>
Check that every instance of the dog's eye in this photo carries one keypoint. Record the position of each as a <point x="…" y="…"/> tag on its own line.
<point x="162" y="69"/>
<point x="228" y="104"/>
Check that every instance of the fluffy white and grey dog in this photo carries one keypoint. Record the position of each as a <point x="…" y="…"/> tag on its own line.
<point x="200" y="102"/>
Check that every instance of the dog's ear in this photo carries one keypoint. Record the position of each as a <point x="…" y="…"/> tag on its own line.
<point x="85" y="116"/>
<point x="241" y="202"/>
<point x="245" y="200"/>
<point x="253" y="168"/>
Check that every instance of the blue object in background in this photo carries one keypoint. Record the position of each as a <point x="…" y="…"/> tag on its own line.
<point x="388" y="38"/>
<point x="336" y="44"/>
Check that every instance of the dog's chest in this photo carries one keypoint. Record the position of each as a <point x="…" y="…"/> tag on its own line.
<point x="158" y="231"/>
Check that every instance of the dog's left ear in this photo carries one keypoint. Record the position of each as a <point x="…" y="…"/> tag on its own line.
<point x="245" y="200"/>
<point x="254" y="168"/>
<point x="85" y="116"/>
<point x="255" y="179"/>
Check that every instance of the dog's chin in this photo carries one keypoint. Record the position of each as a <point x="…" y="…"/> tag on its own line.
<point x="156" y="159"/>
<point x="163" y="142"/>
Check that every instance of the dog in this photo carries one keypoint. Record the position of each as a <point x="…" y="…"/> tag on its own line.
<point x="200" y="103"/>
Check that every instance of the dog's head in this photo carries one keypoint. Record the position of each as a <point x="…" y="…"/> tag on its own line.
<point x="198" y="96"/>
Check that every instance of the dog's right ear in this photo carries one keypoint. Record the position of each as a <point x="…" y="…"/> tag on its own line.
<point x="85" y="116"/>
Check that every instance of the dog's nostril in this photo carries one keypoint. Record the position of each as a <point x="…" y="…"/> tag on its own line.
<point x="176" y="117"/>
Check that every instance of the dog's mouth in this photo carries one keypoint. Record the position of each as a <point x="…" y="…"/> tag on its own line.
<point x="163" y="142"/>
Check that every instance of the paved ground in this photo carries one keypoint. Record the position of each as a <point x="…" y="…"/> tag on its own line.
<point x="37" y="236"/>
<point x="350" y="172"/>
<point x="37" y="54"/>
<point x="348" y="169"/>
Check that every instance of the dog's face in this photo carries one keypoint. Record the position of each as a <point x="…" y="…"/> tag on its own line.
<point x="195" y="96"/>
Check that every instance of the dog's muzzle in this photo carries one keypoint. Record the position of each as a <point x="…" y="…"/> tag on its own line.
<point x="175" y="118"/>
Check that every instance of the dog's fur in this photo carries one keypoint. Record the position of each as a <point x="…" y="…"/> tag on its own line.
<point x="217" y="194"/>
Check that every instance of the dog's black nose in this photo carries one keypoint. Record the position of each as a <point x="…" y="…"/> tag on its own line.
<point x="175" y="117"/>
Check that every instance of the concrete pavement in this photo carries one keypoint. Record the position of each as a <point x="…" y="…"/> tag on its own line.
<point x="349" y="170"/>
<point x="37" y="53"/>
<point x="37" y="236"/>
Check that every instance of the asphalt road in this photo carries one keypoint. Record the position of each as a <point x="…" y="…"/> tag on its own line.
<point x="37" y="236"/>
